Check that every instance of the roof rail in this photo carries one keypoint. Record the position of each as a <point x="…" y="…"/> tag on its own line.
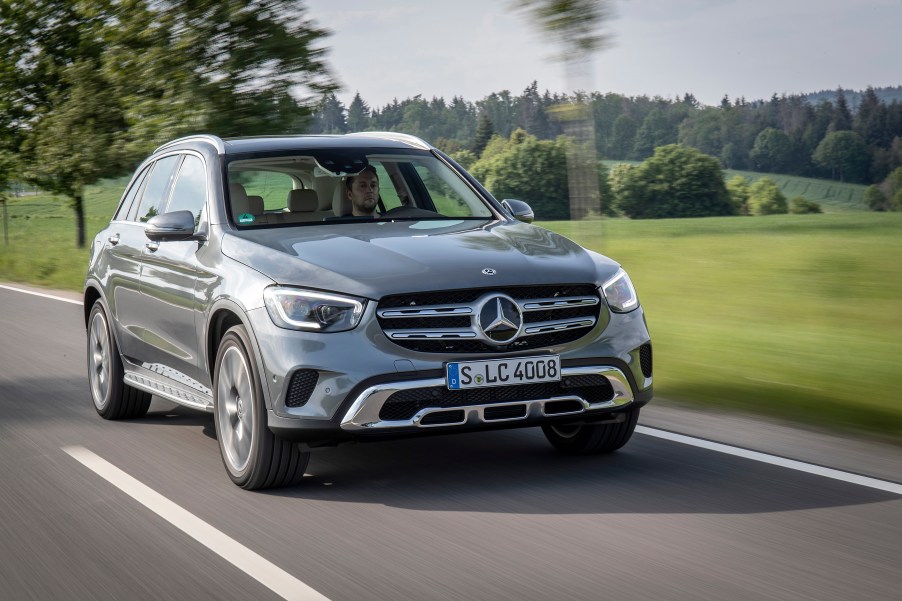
<point x="397" y="137"/>
<point x="214" y="140"/>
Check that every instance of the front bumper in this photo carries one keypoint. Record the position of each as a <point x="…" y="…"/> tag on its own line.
<point x="359" y="371"/>
<point x="365" y="412"/>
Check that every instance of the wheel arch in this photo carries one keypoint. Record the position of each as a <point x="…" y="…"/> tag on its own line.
<point x="226" y="314"/>
<point x="91" y="295"/>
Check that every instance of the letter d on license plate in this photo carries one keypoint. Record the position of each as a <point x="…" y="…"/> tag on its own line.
<point x="503" y="372"/>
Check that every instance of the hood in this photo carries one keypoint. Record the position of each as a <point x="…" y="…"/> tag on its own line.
<point x="374" y="259"/>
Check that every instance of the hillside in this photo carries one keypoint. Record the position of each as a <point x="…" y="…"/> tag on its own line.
<point x="833" y="196"/>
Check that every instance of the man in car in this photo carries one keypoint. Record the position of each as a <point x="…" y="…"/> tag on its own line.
<point x="363" y="192"/>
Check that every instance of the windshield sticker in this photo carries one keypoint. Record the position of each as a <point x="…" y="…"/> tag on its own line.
<point x="245" y="218"/>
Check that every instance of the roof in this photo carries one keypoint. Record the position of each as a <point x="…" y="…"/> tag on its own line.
<point x="301" y="142"/>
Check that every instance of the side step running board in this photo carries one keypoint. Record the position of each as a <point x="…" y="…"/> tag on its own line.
<point x="166" y="388"/>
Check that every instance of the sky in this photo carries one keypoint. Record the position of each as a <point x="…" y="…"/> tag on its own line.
<point x="710" y="48"/>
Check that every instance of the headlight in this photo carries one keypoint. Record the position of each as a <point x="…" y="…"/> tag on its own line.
<point x="307" y="310"/>
<point x="620" y="293"/>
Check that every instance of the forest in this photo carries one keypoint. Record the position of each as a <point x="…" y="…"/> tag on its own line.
<point x="849" y="136"/>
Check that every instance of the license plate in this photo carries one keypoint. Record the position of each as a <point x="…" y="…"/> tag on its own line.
<point x="503" y="372"/>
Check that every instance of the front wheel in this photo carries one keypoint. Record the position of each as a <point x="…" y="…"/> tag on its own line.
<point x="113" y="398"/>
<point x="591" y="439"/>
<point x="253" y="456"/>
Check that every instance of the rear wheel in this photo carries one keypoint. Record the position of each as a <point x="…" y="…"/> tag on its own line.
<point x="589" y="439"/>
<point x="113" y="398"/>
<point x="253" y="456"/>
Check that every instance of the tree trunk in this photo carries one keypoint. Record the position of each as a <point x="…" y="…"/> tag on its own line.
<point x="79" y="207"/>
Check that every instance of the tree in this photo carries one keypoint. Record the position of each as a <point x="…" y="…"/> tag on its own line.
<point x="97" y="85"/>
<point x="870" y="121"/>
<point x="330" y="116"/>
<point x="534" y="171"/>
<point x="772" y="151"/>
<point x="623" y="137"/>
<point x="844" y="154"/>
<point x="484" y="132"/>
<point x="75" y="144"/>
<point x="842" y="117"/>
<point x="656" y="130"/>
<point x="765" y="198"/>
<point x="358" y="114"/>
<point x="676" y="182"/>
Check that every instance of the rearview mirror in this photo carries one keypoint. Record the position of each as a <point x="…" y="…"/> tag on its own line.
<point x="177" y="225"/>
<point x="519" y="210"/>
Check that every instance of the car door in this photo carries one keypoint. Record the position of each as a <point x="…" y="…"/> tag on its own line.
<point x="168" y="282"/>
<point x="126" y="240"/>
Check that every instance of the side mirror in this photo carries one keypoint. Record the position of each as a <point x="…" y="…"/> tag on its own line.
<point x="519" y="209"/>
<point x="178" y="225"/>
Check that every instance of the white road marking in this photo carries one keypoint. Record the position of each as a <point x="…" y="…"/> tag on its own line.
<point x="792" y="464"/>
<point x="41" y="294"/>
<point x="271" y="576"/>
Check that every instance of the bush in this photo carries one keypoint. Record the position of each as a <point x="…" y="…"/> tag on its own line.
<point x="738" y="188"/>
<point x="875" y="198"/>
<point x="676" y="182"/>
<point x="802" y="206"/>
<point x="765" y="198"/>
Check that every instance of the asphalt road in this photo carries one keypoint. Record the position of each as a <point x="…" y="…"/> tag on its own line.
<point x="476" y="516"/>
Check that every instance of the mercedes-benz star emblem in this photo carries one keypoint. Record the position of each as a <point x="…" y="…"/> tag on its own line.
<point x="500" y="319"/>
<point x="488" y="271"/>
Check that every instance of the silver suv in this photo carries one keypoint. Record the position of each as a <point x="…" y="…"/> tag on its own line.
<point x="235" y="279"/>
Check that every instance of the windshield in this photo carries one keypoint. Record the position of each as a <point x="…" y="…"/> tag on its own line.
<point x="299" y="189"/>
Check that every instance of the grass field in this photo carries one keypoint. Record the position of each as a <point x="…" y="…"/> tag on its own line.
<point x="798" y="316"/>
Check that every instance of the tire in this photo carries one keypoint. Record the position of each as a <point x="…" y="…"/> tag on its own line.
<point x="113" y="398"/>
<point x="253" y="456"/>
<point x="592" y="439"/>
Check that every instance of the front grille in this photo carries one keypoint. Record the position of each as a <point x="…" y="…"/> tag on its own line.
<point x="404" y="404"/>
<point x="447" y="321"/>
<point x="645" y="359"/>
<point x="301" y="386"/>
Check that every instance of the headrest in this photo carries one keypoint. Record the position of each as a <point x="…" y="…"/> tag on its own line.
<point x="303" y="200"/>
<point x="236" y="190"/>
<point x="242" y="203"/>
<point x="341" y="204"/>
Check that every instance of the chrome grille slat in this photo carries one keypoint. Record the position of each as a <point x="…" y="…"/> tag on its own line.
<point x="430" y="334"/>
<point x="557" y="326"/>
<point x="557" y="303"/>
<point x="431" y="311"/>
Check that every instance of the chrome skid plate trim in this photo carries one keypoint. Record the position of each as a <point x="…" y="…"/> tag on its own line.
<point x="364" y="412"/>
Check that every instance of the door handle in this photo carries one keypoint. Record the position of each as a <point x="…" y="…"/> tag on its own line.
<point x="152" y="246"/>
<point x="113" y="240"/>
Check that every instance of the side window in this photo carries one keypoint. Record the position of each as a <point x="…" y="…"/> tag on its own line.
<point x="448" y="201"/>
<point x="126" y="204"/>
<point x="190" y="190"/>
<point x="387" y="191"/>
<point x="157" y="184"/>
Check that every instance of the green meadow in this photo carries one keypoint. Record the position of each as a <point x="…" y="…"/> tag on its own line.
<point x="795" y="316"/>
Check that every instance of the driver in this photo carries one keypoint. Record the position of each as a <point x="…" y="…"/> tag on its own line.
<point x="363" y="192"/>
